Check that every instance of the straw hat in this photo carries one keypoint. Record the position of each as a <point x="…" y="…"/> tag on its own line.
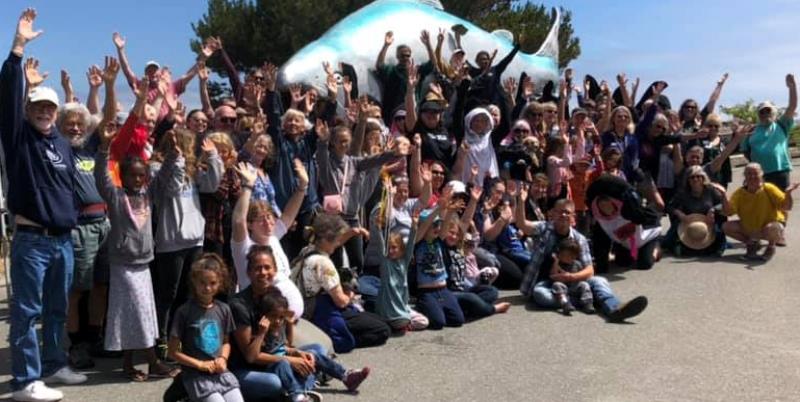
<point x="695" y="233"/>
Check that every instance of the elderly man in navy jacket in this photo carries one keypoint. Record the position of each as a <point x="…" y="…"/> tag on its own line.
<point x="40" y="168"/>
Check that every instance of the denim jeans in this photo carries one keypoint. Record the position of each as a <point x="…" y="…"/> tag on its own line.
<point x="441" y="308"/>
<point x="293" y="384"/>
<point x="41" y="276"/>
<point x="543" y="294"/>
<point x="258" y="385"/>
<point x="477" y="302"/>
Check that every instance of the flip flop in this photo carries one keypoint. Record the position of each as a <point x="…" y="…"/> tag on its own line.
<point x="135" y="375"/>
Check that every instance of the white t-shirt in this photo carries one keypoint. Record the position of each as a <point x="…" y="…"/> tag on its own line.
<point x="642" y="236"/>
<point x="282" y="281"/>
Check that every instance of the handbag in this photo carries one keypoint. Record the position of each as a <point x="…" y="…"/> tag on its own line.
<point x="333" y="204"/>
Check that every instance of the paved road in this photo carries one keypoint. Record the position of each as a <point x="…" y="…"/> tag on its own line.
<point x="716" y="330"/>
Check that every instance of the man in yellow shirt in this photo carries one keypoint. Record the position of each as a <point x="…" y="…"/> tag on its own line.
<point x="761" y="208"/>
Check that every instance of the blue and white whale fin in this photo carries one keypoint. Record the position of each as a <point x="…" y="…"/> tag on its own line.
<point x="504" y="34"/>
<point x="550" y="46"/>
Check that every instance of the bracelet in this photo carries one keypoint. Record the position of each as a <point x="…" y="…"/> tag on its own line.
<point x="247" y="186"/>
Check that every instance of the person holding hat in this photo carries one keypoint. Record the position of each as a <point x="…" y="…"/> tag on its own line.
<point x="769" y="144"/>
<point x="761" y="208"/>
<point x="41" y="170"/>
<point x="696" y="216"/>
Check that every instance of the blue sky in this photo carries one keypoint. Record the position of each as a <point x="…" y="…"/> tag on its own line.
<point x="688" y="44"/>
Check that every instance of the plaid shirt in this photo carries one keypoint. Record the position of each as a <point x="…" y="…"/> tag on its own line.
<point x="545" y="239"/>
<point x="215" y="205"/>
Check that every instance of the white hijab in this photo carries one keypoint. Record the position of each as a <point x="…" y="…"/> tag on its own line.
<point x="481" y="150"/>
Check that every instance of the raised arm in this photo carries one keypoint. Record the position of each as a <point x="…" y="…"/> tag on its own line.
<point x="712" y="100"/>
<point x="109" y="77"/>
<point x="739" y="135"/>
<point x="361" y="127"/>
<point x="425" y="38"/>
<point x="411" y="101"/>
<point x="292" y="206"/>
<point x="501" y="66"/>
<point x="387" y="41"/>
<point x="207" y="180"/>
<point x="417" y="178"/>
<point x="205" y="98"/>
<point x="12" y="95"/>
<point x="605" y="123"/>
<point x="627" y="100"/>
<point x="95" y="79"/>
<point x="788" y="114"/>
<point x="120" y="42"/>
<point x="248" y="175"/>
<point x="66" y="85"/>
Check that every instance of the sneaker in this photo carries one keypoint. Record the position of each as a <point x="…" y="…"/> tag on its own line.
<point x="588" y="308"/>
<point x="354" y="378"/>
<point x="79" y="357"/>
<point x="65" y="376"/>
<point x="630" y="309"/>
<point x="37" y="392"/>
<point x="309" y="396"/>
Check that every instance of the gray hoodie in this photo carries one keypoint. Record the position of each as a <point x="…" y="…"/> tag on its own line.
<point x="179" y="217"/>
<point x="129" y="244"/>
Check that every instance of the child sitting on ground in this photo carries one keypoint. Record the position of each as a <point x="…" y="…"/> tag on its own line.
<point x="198" y="339"/>
<point x="392" y="303"/>
<point x="276" y="331"/>
<point x="565" y="261"/>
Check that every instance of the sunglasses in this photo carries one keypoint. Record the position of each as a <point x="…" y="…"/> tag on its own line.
<point x="690" y="107"/>
<point x="765" y="111"/>
<point x="228" y="119"/>
<point x="258" y="78"/>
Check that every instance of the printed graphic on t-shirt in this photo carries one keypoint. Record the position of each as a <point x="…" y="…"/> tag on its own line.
<point x="208" y="336"/>
<point x="55" y="158"/>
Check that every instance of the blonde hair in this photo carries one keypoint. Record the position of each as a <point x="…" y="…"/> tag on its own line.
<point x="622" y="109"/>
<point x="223" y="142"/>
<point x="713" y="118"/>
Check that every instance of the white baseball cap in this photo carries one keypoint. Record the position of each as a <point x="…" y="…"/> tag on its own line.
<point x="42" y="94"/>
<point x="152" y="63"/>
<point x="766" y="105"/>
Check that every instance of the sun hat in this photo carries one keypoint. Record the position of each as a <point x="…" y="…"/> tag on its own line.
<point x="695" y="232"/>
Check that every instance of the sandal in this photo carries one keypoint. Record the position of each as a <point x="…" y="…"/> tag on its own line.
<point x="161" y="370"/>
<point x="135" y="375"/>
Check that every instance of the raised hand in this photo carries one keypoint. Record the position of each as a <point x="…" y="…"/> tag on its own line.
<point x="473" y="172"/>
<point x="163" y="86"/>
<point x="510" y="85"/>
<point x="270" y="76"/>
<point x="333" y="86"/>
<point x="209" y="47"/>
<point x="326" y="66"/>
<point x="172" y="137"/>
<point x="302" y="174"/>
<point x="425" y="172"/>
<point x="658" y="88"/>
<point x="790" y="81"/>
<point x="94" y="76"/>
<point x="412" y="76"/>
<point x="208" y="146"/>
<point x="723" y="79"/>
<point x="110" y="71"/>
<point x="119" y="41"/>
<point x="417" y="141"/>
<point x="263" y="324"/>
<point x="388" y="39"/>
<point x="675" y="123"/>
<point x="322" y="130"/>
<point x="622" y="80"/>
<point x="178" y="113"/>
<point x="107" y="134"/>
<point x="247" y="173"/>
<point x="296" y="93"/>
<point x="523" y="192"/>
<point x="476" y="192"/>
<point x="32" y="75"/>
<point x="25" y="32"/>
<point x="440" y="36"/>
<point x="347" y="85"/>
<point x="425" y="37"/>
<point x="528" y="87"/>
<point x="66" y="82"/>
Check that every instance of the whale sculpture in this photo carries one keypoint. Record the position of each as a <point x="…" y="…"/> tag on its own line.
<point x="357" y="39"/>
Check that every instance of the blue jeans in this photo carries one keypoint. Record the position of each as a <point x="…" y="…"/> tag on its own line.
<point x="441" y="308"/>
<point x="543" y="294"/>
<point x="258" y="385"/>
<point x="41" y="276"/>
<point x="294" y="384"/>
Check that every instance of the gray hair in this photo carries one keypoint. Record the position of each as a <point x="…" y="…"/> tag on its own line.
<point x="75" y="108"/>
<point x="694" y="171"/>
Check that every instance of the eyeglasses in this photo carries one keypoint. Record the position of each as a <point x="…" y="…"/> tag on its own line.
<point x="765" y="111"/>
<point x="437" y="173"/>
<point x="521" y="130"/>
<point x="227" y="120"/>
<point x="712" y="125"/>
<point x="690" y="107"/>
<point x="664" y="128"/>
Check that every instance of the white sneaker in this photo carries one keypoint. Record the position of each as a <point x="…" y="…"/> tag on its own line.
<point x="65" y="376"/>
<point x="37" y="392"/>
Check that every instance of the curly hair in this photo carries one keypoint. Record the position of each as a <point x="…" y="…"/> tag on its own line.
<point x="211" y="262"/>
<point x="327" y="227"/>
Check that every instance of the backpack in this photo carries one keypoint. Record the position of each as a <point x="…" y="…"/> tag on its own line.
<point x="297" y="264"/>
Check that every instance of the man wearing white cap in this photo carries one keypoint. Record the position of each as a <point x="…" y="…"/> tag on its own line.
<point x="769" y="144"/>
<point x="40" y="167"/>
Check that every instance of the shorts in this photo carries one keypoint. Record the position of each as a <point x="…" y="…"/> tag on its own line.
<point x="91" y="254"/>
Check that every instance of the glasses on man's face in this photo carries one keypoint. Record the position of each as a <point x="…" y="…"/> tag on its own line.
<point x="227" y="120"/>
<point x="712" y="125"/>
<point x="690" y="107"/>
<point x="437" y="173"/>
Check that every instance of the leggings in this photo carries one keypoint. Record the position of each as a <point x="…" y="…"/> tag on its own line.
<point x="171" y="283"/>
<point x="478" y="301"/>
<point x="511" y="271"/>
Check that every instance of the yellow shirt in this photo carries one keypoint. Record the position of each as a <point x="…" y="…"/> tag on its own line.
<point x="757" y="209"/>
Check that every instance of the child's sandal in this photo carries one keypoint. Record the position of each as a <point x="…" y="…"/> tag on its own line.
<point x="135" y="375"/>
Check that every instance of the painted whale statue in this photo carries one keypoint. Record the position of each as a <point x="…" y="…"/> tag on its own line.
<point x="357" y="39"/>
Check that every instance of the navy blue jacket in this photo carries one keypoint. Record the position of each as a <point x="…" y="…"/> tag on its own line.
<point x="40" y="168"/>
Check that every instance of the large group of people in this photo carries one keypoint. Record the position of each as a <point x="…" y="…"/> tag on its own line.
<point x="238" y="246"/>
